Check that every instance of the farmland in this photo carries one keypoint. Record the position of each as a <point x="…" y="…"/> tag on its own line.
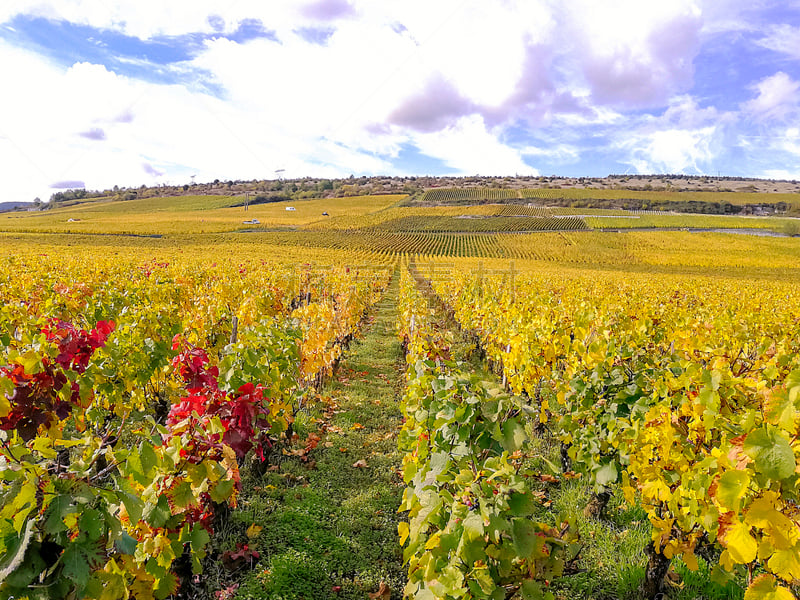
<point x="590" y="197"/>
<point x="480" y="399"/>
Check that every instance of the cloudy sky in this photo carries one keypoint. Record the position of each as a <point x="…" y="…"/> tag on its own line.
<point x="131" y="92"/>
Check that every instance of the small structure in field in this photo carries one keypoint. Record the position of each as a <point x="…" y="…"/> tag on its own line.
<point x="290" y="208"/>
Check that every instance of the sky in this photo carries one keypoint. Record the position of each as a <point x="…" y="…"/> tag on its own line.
<point x="100" y="93"/>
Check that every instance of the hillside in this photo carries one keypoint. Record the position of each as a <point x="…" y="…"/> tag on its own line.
<point x="9" y="206"/>
<point x="187" y="215"/>
<point x="486" y="211"/>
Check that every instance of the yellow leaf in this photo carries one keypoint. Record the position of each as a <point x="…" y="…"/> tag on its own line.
<point x="741" y="546"/>
<point x="764" y="587"/>
<point x="691" y="561"/>
<point x="779" y="529"/>
<point x="402" y="530"/>
<point x="731" y="488"/>
<point x="253" y="531"/>
<point x="656" y="489"/>
<point x="44" y="446"/>
<point x="761" y="512"/>
<point x="726" y="561"/>
<point x="433" y="541"/>
<point x="785" y="563"/>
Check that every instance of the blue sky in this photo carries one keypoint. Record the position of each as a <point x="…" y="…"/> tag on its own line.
<point x="149" y="92"/>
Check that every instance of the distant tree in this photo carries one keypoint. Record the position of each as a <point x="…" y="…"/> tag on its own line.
<point x="37" y="202"/>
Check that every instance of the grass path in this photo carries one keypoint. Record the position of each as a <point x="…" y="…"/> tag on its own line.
<point x="329" y="522"/>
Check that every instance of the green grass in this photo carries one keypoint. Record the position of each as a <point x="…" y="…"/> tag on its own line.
<point x="330" y="529"/>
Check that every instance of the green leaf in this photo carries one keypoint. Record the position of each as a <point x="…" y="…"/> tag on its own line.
<point x="182" y="495"/>
<point x="483" y="577"/>
<point x="606" y="474"/>
<point x="91" y="524"/>
<point x="199" y="538"/>
<point x="76" y="567"/>
<point x="28" y="570"/>
<point x="771" y="452"/>
<point x="222" y="491"/>
<point x="126" y="544"/>
<point x="148" y="457"/>
<point x="15" y="547"/>
<point x="779" y="410"/>
<point x="525" y="539"/>
<point x="554" y="468"/>
<point x="473" y="526"/>
<point x="521" y="504"/>
<point x="133" y="468"/>
<point x="731" y="488"/>
<point x="533" y="590"/>
<point x="165" y="586"/>
<point x="438" y="462"/>
<point x="59" y="508"/>
<point x="134" y="507"/>
<point x="159" y="513"/>
<point x="514" y="435"/>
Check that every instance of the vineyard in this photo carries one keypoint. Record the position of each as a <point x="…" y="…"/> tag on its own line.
<point x="689" y="221"/>
<point x="133" y="394"/>
<point x="482" y="224"/>
<point x="605" y="197"/>
<point x="435" y="403"/>
<point x="463" y="195"/>
<point x="659" y="392"/>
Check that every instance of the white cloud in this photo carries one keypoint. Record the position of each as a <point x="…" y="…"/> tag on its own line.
<point x="679" y="150"/>
<point x="454" y="79"/>
<point x="469" y="148"/>
<point x="177" y="131"/>
<point x="146" y="19"/>
<point x="635" y="53"/>
<point x="560" y="153"/>
<point x="684" y="138"/>
<point x="780" y="174"/>
<point x="784" y="39"/>
<point x="778" y="96"/>
<point x="790" y="141"/>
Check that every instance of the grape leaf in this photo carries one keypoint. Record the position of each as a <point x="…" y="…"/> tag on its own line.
<point x="771" y="452"/>
<point x="76" y="566"/>
<point x="606" y="474"/>
<point x="731" y="487"/>
<point x="526" y="539"/>
<point x="91" y="524"/>
<point x="764" y="587"/>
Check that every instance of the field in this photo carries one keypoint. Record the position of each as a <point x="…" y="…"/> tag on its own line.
<point x="433" y="402"/>
<point x="580" y="196"/>
<point x="186" y="214"/>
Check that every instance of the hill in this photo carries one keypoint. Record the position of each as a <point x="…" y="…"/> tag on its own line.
<point x="9" y="206"/>
<point x="188" y="215"/>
